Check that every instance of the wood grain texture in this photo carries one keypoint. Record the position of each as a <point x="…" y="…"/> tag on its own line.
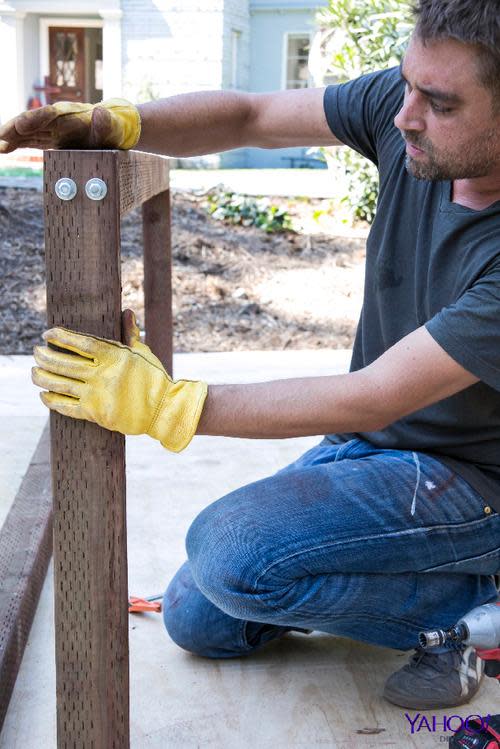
<point x="158" y="277"/>
<point x="141" y="176"/>
<point x="25" y="550"/>
<point x="82" y="244"/>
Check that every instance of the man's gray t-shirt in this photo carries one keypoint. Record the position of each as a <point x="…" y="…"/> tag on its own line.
<point x="429" y="262"/>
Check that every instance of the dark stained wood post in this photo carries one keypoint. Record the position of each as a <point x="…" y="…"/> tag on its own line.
<point x="82" y="244"/>
<point x="158" y="277"/>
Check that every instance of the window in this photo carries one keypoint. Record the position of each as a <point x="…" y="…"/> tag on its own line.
<point x="66" y="53"/>
<point x="297" y="54"/>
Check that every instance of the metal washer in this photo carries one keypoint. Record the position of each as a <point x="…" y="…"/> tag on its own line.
<point x="65" y="188"/>
<point x="96" y="189"/>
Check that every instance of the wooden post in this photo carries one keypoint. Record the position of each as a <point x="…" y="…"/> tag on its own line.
<point x="158" y="277"/>
<point x="82" y="246"/>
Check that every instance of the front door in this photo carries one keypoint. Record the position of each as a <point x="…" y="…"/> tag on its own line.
<point x="67" y="63"/>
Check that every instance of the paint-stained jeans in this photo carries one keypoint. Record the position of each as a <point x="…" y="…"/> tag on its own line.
<point x="350" y="540"/>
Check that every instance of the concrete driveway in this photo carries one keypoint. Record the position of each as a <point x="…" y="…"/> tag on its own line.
<point x="302" y="691"/>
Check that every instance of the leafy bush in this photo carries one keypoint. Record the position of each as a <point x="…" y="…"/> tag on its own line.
<point x="241" y="209"/>
<point x="362" y="178"/>
<point x="370" y="34"/>
<point x="360" y="36"/>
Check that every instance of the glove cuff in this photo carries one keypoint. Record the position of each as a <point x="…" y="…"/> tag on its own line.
<point x="130" y="121"/>
<point x="178" y="414"/>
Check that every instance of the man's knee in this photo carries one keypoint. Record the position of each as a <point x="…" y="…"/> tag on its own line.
<point x="227" y="555"/>
<point x="195" y="624"/>
<point x="180" y="614"/>
<point x="223" y="554"/>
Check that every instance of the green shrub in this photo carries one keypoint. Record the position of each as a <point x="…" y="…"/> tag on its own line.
<point x="241" y="209"/>
<point x="360" y="36"/>
<point x="362" y="178"/>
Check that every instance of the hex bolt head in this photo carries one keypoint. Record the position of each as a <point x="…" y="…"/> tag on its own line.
<point x="65" y="188"/>
<point x="96" y="189"/>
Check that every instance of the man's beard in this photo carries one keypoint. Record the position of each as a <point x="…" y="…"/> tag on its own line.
<point x="476" y="158"/>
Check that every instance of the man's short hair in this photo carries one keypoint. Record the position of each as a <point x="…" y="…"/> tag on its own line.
<point x="475" y="22"/>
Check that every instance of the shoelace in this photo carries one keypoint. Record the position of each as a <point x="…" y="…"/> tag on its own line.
<point x="432" y="661"/>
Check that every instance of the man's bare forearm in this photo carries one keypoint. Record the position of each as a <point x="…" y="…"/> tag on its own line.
<point x="212" y="121"/>
<point x="292" y="408"/>
<point x="194" y="124"/>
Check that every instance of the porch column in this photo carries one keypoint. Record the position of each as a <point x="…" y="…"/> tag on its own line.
<point x="13" y="96"/>
<point x="112" y="53"/>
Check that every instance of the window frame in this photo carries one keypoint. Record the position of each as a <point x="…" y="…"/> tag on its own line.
<point x="284" y="56"/>
<point x="235" y="77"/>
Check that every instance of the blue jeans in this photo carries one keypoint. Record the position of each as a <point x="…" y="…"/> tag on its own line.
<point x="352" y="540"/>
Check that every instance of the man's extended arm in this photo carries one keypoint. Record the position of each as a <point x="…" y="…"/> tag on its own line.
<point x="411" y="375"/>
<point x="213" y="121"/>
<point x="184" y="125"/>
<point x="125" y="388"/>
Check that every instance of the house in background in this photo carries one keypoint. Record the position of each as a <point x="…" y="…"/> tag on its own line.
<point x="87" y="50"/>
<point x="280" y="36"/>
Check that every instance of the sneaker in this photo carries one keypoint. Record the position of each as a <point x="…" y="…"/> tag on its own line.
<point x="436" y="680"/>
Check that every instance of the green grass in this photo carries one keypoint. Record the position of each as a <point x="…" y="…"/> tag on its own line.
<point x="20" y="171"/>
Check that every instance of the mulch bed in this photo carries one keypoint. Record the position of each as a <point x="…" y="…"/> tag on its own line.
<point x="219" y="272"/>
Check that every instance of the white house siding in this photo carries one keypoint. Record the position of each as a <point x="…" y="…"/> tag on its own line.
<point x="171" y="47"/>
<point x="236" y="18"/>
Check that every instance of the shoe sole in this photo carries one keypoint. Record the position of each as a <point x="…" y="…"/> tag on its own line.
<point x="397" y="700"/>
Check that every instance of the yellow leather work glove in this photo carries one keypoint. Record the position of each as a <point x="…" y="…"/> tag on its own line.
<point x="114" y="123"/>
<point x="124" y="388"/>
